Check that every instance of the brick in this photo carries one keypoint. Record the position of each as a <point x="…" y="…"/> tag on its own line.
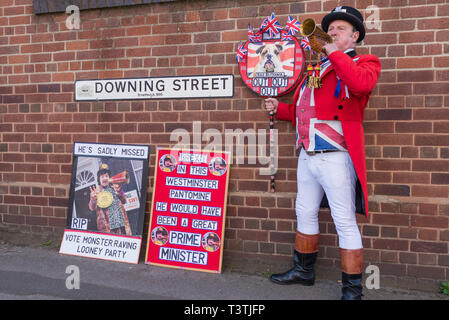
<point x="417" y="12"/>
<point x="164" y="51"/>
<point x="404" y="63"/>
<point x="14" y="11"/>
<point x="391" y="219"/>
<point x="414" y="37"/>
<point x="395" y="114"/>
<point x="431" y="140"/>
<point x="433" y="88"/>
<point x="396" y="26"/>
<point x="413" y="127"/>
<point x="282" y="237"/>
<point x="411" y="177"/>
<point x="431" y="114"/>
<point x="138" y="52"/>
<point x="415" y="76"/>
<point x="112" y="53"/>
<point x="57" y="202"/>
<point x="392" y="190"/>
<point x="36" y="221"/>
<point x="370" y="231"/>
<point x="13" y="219"/>
<point x="438" y="23"/>
<point x="391" y="152"/>
<point x="395" y="139"/>
<point x="381" y="164"/>
<point x="386" y="39"/>
<point x="252" y="235"/>
<point x="390" y="244"/>
<point x="430" y="191"/>
<point x="427" y="234"/>
<point x="207" y="37"/>
<point x="440" y="178"/>
<point x="252" y="212"/>
<point x="433" y="101"/>
<point x="49" y="88"/>
<point x="425" y="246"/>
<point x="191" y="49"/>
<point x="426" y="272"/>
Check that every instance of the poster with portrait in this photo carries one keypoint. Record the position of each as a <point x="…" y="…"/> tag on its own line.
<point x="187" y="222"/>
<point x="107" y="201"/>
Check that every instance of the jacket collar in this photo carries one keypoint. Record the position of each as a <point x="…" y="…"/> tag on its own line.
<point x="350" y="52"/>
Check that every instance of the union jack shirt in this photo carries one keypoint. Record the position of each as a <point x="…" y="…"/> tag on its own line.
<point x="313" y="134"/>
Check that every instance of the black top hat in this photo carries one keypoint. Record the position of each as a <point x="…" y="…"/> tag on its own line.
<point x="353" y="16"/>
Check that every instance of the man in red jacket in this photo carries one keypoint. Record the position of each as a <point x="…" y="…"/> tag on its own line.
<point x="331" y="165"/>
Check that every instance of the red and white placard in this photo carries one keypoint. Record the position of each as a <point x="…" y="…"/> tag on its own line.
<point x="187" y="222"/>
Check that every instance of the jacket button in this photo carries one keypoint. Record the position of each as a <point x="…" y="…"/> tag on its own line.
<point x="336" y="117"/>
<point x="340" y="107"/>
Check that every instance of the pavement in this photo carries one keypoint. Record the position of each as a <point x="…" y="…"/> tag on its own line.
<point x="39" y="272"/>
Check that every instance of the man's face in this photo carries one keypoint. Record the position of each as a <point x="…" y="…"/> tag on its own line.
<point x="343" y="35"/>
<point x="104" y="180"/>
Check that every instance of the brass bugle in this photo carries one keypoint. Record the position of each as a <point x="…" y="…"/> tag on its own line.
<point x="317" y="37"/>
<point x="122" y="177"/>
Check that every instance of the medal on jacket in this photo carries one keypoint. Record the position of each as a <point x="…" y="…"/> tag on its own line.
<point x="310" y="77"/>
<point x="317" y="79"/>
<point x="104" y="199"/>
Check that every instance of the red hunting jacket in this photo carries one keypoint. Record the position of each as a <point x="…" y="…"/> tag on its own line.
<point x="360" y="77"/>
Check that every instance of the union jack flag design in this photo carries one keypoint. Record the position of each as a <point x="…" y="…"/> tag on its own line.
<point x="241" y="52"/>
<point x="316" y="134"/>
<point x="253" y="37"/>
<point x="292" y="26"/>
<point x="305" y="43"/>
<point x="285" y="36"/>
<point x="271" y="26"/>
<point x="326" y="135"/>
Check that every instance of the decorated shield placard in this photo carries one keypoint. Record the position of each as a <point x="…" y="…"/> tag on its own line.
<point x="272" y="61"/>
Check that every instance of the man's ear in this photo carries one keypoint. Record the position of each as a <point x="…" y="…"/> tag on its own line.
<point x="355" y="36"/>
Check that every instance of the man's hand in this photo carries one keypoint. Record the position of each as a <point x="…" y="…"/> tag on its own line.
<point x="93" y="193"/>
<point x="329" y="48"/>
<point x="271" y="104"/>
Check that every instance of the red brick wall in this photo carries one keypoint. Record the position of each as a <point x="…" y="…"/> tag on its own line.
<point x="406" y="123"/>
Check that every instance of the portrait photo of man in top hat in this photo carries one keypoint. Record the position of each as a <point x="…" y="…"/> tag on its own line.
<point x="107" y="200"/>
<point x="331" y="168"/>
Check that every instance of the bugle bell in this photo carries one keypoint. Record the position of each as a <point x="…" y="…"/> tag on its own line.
<point x="317" y="37"/>
<point x="122" y="177"/>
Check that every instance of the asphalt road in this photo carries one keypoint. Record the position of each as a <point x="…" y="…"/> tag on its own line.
<point x="38" y="273"/>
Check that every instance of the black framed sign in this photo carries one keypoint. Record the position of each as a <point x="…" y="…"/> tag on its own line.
<point x="107" y="201"/>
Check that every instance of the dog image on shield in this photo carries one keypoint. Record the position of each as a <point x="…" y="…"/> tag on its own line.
<point x="275" y="57"/>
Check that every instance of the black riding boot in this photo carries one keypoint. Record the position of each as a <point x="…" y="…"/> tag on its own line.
<point x="351" y="274"/>
<point x="351" y="286"/>
<point x="302" y="271"/>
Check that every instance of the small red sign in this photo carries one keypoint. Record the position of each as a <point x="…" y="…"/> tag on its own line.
<point x="186" y="227"/>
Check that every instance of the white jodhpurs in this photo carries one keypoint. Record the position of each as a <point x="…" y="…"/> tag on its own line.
<point x="332" y="173"/>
